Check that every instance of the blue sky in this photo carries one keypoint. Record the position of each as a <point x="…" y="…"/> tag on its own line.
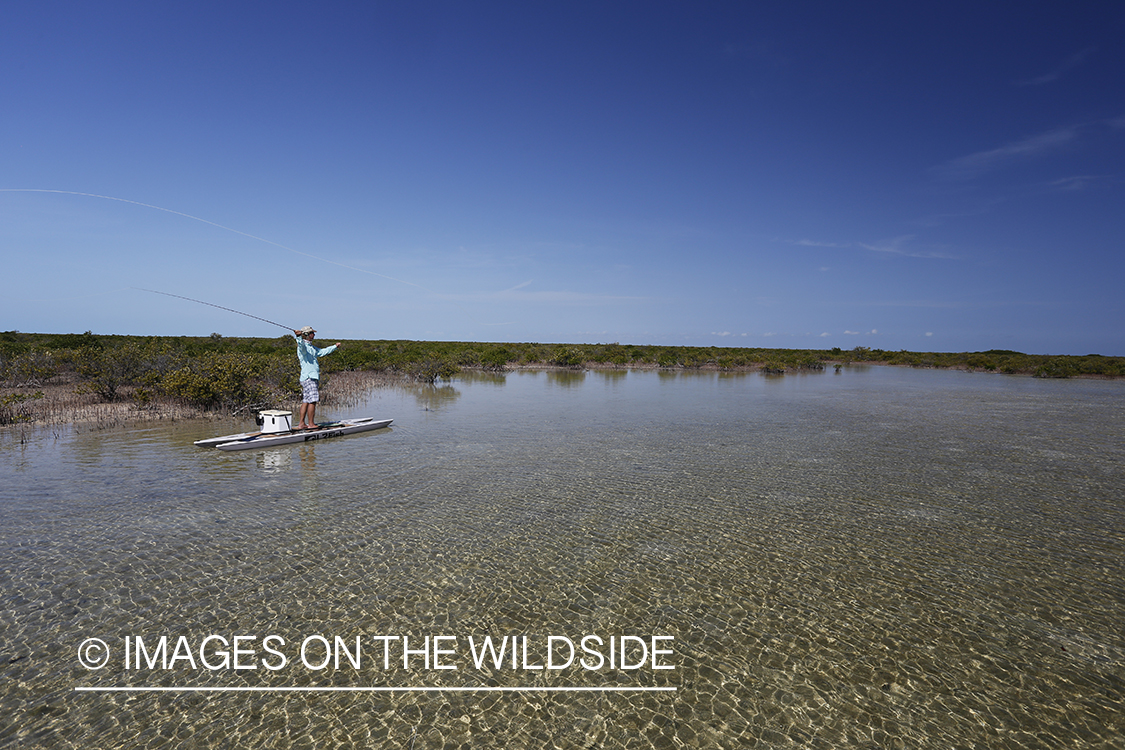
<point x="801" y="175"/>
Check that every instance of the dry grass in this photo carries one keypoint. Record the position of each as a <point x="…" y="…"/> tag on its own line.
<point x="65" y="403"/>
<point x="347" y="389"/>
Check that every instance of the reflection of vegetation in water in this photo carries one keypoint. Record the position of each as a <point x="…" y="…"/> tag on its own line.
<point x="483" y="377"/>
<point x="613" y="374"/>
<point x="613" y="377"/>
<point x="433" y="397"/>
<point x="566" y="378"/>
<point x="216" y="372"/>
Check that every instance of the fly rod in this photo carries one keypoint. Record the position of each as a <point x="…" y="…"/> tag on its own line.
<point x="244" y="234"/>
<point x="211" y="304"/>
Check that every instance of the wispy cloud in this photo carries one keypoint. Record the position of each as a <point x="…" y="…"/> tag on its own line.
<point x="893" y="246"/>
<point x="567" y="298"/>
<point x="1077" y="182"/>
<point x="972" y="165"/>
<point x="898" y="246"/>
<point x="552" y="297"/>
<point x="814" y="243"/>
<point x="1065" y="67"/>
<point x="984" y="206"/>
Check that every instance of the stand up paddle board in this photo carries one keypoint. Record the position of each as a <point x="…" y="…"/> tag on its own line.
<point x="246" y="440"/>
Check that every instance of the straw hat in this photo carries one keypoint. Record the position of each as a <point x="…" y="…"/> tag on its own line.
<point x="307" y="329"/>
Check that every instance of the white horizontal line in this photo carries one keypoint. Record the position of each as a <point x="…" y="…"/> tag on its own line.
<point x="481" y="689"/>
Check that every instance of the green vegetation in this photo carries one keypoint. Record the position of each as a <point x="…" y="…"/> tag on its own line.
<point x="202" y="373"/>
<point x="232" y="373"/>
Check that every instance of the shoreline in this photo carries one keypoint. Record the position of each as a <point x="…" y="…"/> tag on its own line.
<point x="65" y="402"/>
<point x="764" y="369"/>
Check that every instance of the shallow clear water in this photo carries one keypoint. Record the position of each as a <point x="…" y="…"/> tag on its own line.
<point x="876" y="558"/>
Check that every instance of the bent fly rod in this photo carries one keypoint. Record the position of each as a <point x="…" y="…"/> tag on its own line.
<point x="212" y="304"/>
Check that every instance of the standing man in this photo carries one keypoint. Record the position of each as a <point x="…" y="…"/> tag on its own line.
<point x="310" y="375"/>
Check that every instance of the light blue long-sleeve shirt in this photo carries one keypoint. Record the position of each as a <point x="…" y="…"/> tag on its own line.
<point x="308" y="354"/>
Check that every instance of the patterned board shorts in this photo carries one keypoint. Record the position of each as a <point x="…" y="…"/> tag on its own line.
<point x="310" y="391"/>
